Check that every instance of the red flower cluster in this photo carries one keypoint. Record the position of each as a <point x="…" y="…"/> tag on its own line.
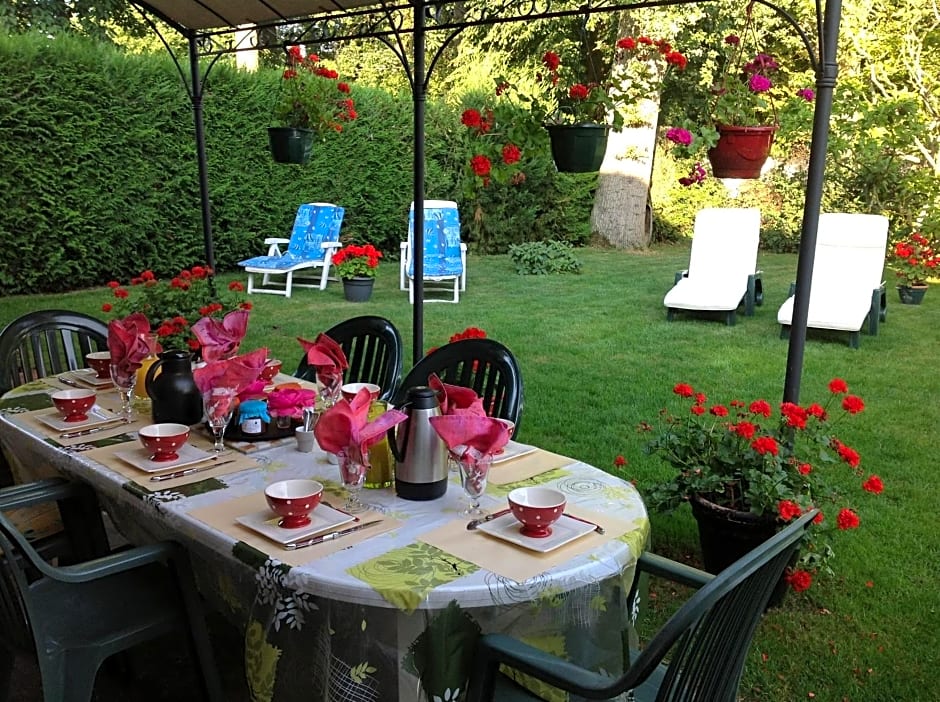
<point x="761" y="461"/>
<point x="915" y="260"/>
<point x="311" y="95"/>
<point x="484" y="134"/>
<point x="356" y="260"/>
<point x="468" y="333"/>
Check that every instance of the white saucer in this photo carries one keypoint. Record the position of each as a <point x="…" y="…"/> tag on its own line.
<point x="87" y="376"/>
<point x="139" y="457"/>
<point x="322" y="518"/>
<point x="512" y="450"/>
<point x="96" y="415"/>
<point x="564" y="531"/>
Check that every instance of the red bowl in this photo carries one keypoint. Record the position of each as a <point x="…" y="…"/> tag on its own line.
<point x="349" y="390"/>
<point x="293" y="501"/>
<point x="537" y="508"/>
<point x="100" y="363"/>
<point x="74" y="404"/>
<point x="163" y="440"/>
<point x="271" y="369"/>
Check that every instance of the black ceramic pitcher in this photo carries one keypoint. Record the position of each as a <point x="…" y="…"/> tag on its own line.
<point x="172" y="389"/>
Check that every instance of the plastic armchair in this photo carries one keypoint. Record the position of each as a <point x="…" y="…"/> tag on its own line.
<point x="707" y="639"/>
<point x="313" y="241"/>
<point x="445" y="256"/>
<point x="373" y="348"/>
<point x="47" y="342"/>
<point x="485" y="365"/>
<point x="847" y="287"/>
<point x="73" y="617"/>
<point x="722" y="273"/>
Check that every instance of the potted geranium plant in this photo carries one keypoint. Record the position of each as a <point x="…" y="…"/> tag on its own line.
<point x="914" y="260"/>
<point x="579" y="113"/>
<point x="357" y="265"/>
<point x="311" y="100"/>
<point x="747" y="468"/>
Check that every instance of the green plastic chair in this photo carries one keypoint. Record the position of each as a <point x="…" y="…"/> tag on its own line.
<point x="73" y="617"/>
<point x="707" y="639"/>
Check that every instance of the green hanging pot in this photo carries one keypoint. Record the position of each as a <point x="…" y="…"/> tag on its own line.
<point x="290" y="144"/>
<point x="578" y="148"/>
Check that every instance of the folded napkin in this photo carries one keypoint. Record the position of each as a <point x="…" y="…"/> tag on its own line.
<point x="468" y="434"/>
<point x="346" y="425"/>
<point x="324" y="353"/>
<point x="456" y="399"/>
<point x="290" y="402"/>
<point x="127" y="342"/>
<point x="237" y="374"/>
<point x="221" y="338"/>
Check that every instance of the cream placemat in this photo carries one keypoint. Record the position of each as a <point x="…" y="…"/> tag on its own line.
<point x="30" y="421"/>
<point x="105" y="456"/>
<point x="515" y="562"/>
<point x="526" y="466"/>
<point x="222" y="517"/>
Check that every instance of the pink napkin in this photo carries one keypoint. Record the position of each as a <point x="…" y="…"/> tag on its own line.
<point x="324" y="353"/>
<point x="221" y="338"/>
<point x="456" y="399"/>
<point x="468" y="433"/>
<point x="346" y="424"/>
<point x="127" y="341"/>
<point x="237" y="373"/>
<point x="290" y="402"/>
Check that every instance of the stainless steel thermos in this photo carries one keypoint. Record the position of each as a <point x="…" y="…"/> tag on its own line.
<point x="420" y="454"/>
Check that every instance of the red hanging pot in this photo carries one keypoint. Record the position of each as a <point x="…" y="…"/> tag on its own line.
<point x="741" y="151"/>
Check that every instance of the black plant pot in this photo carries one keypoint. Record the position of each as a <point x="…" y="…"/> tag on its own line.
<point x="290" y="144"/>
<point x="912" y="294"/>
<point x="358" y="289"/>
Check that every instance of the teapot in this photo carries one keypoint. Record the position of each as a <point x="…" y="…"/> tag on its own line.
<point x="173" y="390"/>
<point x="420" y="453"/>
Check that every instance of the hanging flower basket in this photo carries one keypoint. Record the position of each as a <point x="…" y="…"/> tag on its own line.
<point x="578" y="148"/>
<point x="741" y="151"/>
<point x="290" y="144"/>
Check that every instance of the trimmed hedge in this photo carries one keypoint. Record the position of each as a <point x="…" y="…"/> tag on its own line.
<point x="100" y="180"/>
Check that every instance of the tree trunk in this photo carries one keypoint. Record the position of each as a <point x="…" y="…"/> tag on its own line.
<point x="621" y="214"/>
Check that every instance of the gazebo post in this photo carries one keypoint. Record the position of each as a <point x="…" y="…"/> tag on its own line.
<point x="419" y="90"/>
<point x="825" y="84"/>
<point x="196" y="99"/>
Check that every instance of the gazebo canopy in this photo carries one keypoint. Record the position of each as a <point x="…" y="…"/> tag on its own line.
<point x="208" y="26"/>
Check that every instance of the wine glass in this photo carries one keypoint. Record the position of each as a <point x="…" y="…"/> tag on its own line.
<point x="353" y="466"/>
<point x="331" y="380"/>
<point x="124" y="378"/>
<point x="219" y="403"/>
<point x="473" y="473"/>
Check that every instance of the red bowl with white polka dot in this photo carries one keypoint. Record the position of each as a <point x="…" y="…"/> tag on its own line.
<point x="293" y="501"/>
<point x="537" y="508"/>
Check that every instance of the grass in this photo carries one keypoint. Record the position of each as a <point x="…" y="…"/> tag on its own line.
<point x="598" y="357"/>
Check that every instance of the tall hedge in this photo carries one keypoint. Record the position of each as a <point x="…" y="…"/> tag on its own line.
<point x="99" y="177"/>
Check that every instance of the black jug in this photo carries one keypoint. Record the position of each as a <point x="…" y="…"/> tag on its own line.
<point x="173" y="390"/>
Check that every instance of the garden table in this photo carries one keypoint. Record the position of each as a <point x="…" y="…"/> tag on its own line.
<point x="389" y="612"/>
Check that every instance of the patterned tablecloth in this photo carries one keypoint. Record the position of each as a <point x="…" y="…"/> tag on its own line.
<point x="390" y="612"/>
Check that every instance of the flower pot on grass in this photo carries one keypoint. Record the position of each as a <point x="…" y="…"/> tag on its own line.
<point x="912" y="294"/>
<point x="358" y="289"/>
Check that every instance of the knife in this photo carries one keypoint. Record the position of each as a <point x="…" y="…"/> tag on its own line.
<point x="110" y="424"/>
<point x="471" y="525"/>
<point x="190" y="471"/>
<point x="66" y="381"/>
<point x="329" y="537"/>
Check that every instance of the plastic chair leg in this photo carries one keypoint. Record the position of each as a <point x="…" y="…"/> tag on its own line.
<point x="68" y="676"/>
<point x="7" y="661"/>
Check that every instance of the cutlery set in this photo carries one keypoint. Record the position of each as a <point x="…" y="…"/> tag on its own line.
<point x="214" y="463"/>
<point x="473" y="524"/>
<point x="313" y="541"/>
<point x="110" y="424"/>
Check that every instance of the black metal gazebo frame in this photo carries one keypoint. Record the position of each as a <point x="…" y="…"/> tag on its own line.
<point x="209" y="26"/>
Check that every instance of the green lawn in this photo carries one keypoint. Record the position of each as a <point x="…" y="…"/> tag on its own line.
<point x="598" y="357"/>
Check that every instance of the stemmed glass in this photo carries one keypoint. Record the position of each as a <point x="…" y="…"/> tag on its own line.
<point x="331" y="380"/>
<point x="353" y="466"/>
<point x="474" y="470"/>
<point x="219" y="403"/>
<point x="124" y="378"/>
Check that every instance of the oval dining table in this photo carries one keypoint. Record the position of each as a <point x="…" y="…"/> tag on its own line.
<point x="389" y="612"/>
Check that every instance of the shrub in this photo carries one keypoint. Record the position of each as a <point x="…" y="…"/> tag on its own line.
<point x="544" y="257"/>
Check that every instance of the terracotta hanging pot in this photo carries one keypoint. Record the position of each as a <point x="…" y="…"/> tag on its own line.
<point x="578" y="148"/>
<point x="741" y="151"/>
<point x="290" y="144"/>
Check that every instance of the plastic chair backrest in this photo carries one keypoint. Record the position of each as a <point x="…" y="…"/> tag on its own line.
<point x="442" y="257"/>
<point x="850" y="252"/>
<point x="315" y="223"/>
<point x="47" y="342"/>
<point x="724" y="244"/>
<point x="484" y="365"/>
<point x="373" y="348"/>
